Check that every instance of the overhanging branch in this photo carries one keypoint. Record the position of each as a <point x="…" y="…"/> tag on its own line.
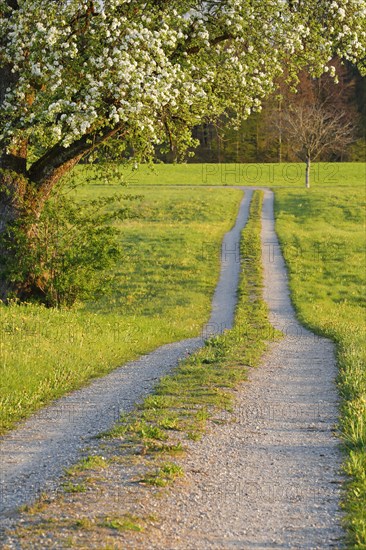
<point x="47" y="170"/>
<point x="195" y="49"/>
<point x="13" y="4"/>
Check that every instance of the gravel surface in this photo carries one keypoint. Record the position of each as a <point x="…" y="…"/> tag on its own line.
<point x="271" y="478"/>
<point x="34" y="455"/>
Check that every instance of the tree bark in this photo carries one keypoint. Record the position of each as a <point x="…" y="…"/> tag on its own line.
<point x="280" y="132"/>
<point x="307" y="173"/>
<point x="12" y="192"/>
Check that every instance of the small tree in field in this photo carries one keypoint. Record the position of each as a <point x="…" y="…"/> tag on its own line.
<point x="313" y="130"/>
<point x="75" y="74"/>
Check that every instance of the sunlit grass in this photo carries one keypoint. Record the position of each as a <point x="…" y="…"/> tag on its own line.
<point x="271" y="174"/>
<point x="323" y="238"/>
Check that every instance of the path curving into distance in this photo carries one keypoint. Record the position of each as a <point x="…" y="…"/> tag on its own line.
<point x="270" y="479"/>
<point x="34" y="455"/>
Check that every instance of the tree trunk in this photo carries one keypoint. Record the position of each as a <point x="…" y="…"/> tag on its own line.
<point x="23" y="194"/>
<point x="12" y="191"/>
<point x="219" y="159"/>
<point x="307" y="173"/>
<point x="21" y="205"/>
<point x="280" y="132"/>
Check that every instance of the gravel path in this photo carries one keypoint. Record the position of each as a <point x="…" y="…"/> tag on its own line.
<point x="35" y="454"/>
<point x="271" y="479"/>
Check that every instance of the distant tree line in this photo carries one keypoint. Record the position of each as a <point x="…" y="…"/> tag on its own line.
<point x="270" y="135"/>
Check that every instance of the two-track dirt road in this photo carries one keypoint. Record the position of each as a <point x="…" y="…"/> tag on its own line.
<point x="269" y="480"/>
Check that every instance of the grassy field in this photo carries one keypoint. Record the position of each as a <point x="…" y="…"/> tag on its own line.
<point x="270" y="175"/>
<point x="322" y="233"/>
<point x="163" y="293"/>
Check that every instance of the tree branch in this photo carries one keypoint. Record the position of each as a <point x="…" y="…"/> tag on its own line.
<point x="47" y="170"/>
<point x="13" y="4"/>
<point x="195" y="49"/>
<point x="213" y="42"/>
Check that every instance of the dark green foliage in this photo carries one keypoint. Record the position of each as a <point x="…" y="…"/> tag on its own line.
<point x="67" y="254"/>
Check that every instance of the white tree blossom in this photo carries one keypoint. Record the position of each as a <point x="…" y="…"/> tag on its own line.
<point x="78" y="66"/>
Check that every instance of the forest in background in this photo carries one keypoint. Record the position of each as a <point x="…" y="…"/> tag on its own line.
<point x="263" y="137"/>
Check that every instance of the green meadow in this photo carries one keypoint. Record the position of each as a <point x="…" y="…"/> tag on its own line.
<point x="270" y="175"/>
